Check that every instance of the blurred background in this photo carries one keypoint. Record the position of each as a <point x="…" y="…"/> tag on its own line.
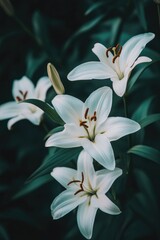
<point x="63" y="32"/>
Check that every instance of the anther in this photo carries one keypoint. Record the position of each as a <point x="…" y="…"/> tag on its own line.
<point x="80" y="190"/>
<point x="108" y="50"/>
<point x="18" y="99"/>
<point x="25" y="94"/>
<point x="83" y="123"/>
<point x="86" y="113"/>
<point x="94" y="116"/>
<point x="74" y="181"/>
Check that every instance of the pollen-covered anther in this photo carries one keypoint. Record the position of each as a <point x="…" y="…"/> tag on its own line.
<point x="18" y="99"/>
<point x="86" y="113"/>
<point x="108" y="50"/>
<point x="24" y="94"/>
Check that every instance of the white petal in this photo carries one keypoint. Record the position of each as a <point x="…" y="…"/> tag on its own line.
<point x="101" y="150"/>
<point x="91" y="70"/>
<point x="43" y="85"/>
<point x="14" y="120"/>
<point x="101" y="102"/>
<point x="35" y="117"/>
<point x="105" y="179"/>
<point x="69" y="108"/>
<point x="64" y="175"/>
<point x="68" y="138"/>
<point x="85" y="165"/>
<point x="24" y="85"/>
<point x="141" y="60"/>
<point x="107" y="206"/>
<point x="132" y="49"/>
<point x="119" y="86"/>
<point x="9" y="110"/>
<point x="100" y="51"/>
<point x="64" y="203"/>
<point x="119" y="127"/>
<point x="85" y="219"/>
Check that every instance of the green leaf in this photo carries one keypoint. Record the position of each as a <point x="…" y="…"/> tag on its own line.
<point x="149" y="119"/>
<point x="141" y="13"/>
<point x="30" y="187"/>
<point x="136" y="76"/>
<point x="146" y="152"/>
<point x="3" y="233"/>
<point x="59" y="158"/>
<point x="50" y="111"/>
<point x="142" y="109"/>
<point x="93" y="7"/>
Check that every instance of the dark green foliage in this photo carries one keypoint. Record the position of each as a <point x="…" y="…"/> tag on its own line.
<point x="63" y="32"/>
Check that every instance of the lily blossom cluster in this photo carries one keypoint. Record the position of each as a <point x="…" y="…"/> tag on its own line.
<point x="85" y="189"/>
<point x="115" y="62"/>
<point x="88" y="125"/>
<point x="24" y="89"/>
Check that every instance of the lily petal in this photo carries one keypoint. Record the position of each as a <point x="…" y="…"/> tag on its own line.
<point x="85" y="219"/>
<point x="64" y="175"/>
<point x="42" y="86"/>
<point x="100" y="51"/>
<point x="64" y="203"/>
<point x="85" y="165"/>
<point x="25" y="85"/>
<point x="119" y="86"/>
<point x="141" y="60"/>
<point x="68" y="138"/>
<point x="9" y="110"/>
<point x="119" y="127"/>
<point x="101" y="150"/>
<point x="137" y="44"/>
<point x="107" y="206"/>
<point x="68" y="107"/>
<point x="105" y="179"/>
<point x="14" y="120"/>
<point x="35" y="117"/>
<point x="101" y="102"/>
<point x="91" y="70"/>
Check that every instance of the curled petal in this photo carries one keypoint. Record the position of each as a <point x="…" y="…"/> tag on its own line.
<point x="9" y="110"/>
<point x="14" y="120"/>
<point x="91" y="70"/>
<point x="119" y="127"/>
<point x="141" y="60"/>
<point x="119" y="86"/>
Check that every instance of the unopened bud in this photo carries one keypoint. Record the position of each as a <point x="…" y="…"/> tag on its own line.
<point x="7" y="6"/>
<point x="156" y="1"/>
<point x="55" y="79"/>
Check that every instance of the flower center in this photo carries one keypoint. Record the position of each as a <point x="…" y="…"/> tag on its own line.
<point x="116" y="51"/>
<point x="89" y="124"/>
<point x="87" y="190"/>
<point x="22" y="96"/>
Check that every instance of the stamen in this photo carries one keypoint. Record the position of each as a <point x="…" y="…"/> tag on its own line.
<point x="74" y="181"/>
<point x="83" y="123"/>
<point x="18" y="99"/>
<point x="94" y="117"/>
<point x="86" y="113"/>
<point x="108" y="50"/>
<point x="80" y="190"/>
<point x="25" y="94"/>
<point x="21" y="92"/>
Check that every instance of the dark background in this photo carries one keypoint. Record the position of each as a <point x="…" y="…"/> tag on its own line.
<point x="63" y="32"/>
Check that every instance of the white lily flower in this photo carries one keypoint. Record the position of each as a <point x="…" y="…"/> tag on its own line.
<point x="88" y="125"/>
<point x="86" y="189"/>
<point x="115" y="63"/>
<point x="24" y="89"/>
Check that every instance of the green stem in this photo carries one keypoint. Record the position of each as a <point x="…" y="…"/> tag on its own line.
<point x="129" y="136"/>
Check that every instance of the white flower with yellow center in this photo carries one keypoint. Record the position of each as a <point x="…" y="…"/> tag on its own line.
<point x="24" y="89"/>
<point x="115" y="63"/>
<point x="85" y="188"/>
<point x="88" y="125"/>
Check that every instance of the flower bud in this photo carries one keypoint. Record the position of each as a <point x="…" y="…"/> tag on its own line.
<point x="7" y="6"/>
<point x="55" y="79"/>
